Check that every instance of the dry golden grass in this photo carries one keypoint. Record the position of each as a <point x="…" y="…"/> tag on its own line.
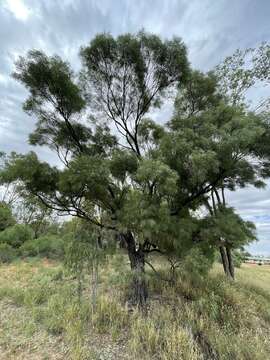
<point x="21" y="338"/>
<point x="255" y="275"/>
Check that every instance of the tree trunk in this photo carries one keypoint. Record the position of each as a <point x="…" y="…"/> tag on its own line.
<point x="138" y="293"/>
<point x="230" y="261"/>
<point x="227" y="262"/>
<point x="94" y="284"/>
<point x="224" y="260"/>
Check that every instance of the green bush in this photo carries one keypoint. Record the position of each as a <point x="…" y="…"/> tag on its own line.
<point x="197" y="263"/>
<point x="6" y="218"/>
<point x="49" y="246"/>
<point x="16" y="235"/>
<point x="7" y="253"/>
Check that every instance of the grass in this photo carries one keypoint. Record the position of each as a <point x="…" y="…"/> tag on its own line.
<point x="41" y="316"/>
<point x="254" y="275"/>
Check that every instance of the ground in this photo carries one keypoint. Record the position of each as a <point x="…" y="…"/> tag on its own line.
<point x="41" y="316"/>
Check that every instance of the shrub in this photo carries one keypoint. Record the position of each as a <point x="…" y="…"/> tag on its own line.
<point x="16" y="235"/>
<point x="6" y="218"/>
<point x="7" y="253"/>
<point x="238" y="257"/>
<point x="196" y="263"/>
<point x="49" y="246"/>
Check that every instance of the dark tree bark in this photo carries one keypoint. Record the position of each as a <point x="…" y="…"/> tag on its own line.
<point x="138" y="286"/>
<point x="227" y="262"/>
<point x="99" y="242"/>
<point x="224" y="260"/>
<point x="230" y="261"/>
<point x="120" y="238"/>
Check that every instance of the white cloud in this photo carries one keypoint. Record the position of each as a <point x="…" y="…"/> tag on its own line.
<point x="18" y="9"/>
<point x="3" y="78"/>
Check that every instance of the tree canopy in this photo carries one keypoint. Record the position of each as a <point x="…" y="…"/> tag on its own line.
<point x="124" y="172"/>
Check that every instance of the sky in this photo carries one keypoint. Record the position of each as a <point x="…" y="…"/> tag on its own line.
<point x="211" y="30"/>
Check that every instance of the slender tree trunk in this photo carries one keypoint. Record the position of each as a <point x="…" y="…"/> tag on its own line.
<point x="99" y="242"/>
<point x="230" y="261"/>
<point x="139" y="292"/>
<point x="94" y="284"/>
<point x="224" y="260"/>
<point x="227" y="262"/>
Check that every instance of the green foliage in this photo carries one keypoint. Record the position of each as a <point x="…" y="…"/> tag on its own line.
<point x="229" y="226"/>
<point x="86" y="246"/>
<point x="199" y="94"/>
<point x="239" y="256"/>
<point x="122" y="165"/>
<point x="135" y="53"/>
<point x="213" y="145"/>
<point x="198" y="262"/>
<point x="158" y="177"/>
<point x="89" y="174"/>
<point x="7" y="253"/>
<point x="243" y="70"/>
<point x="48" y="77"/>
<point x="36" y="175"/>
<point x="50" y="246"/>
<point x="16" y="235"/>
<point x="6" y="218"/>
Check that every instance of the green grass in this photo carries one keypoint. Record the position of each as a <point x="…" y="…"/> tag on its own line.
<point x="41" y="316"/>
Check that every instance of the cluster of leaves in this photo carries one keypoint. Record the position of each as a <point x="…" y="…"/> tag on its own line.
<point x="243" y="70"/>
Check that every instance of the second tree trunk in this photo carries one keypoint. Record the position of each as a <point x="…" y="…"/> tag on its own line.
<point x="227" y="261"/>
<point x="138" y="286"/>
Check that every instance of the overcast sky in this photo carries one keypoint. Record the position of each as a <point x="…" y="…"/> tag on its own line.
<point x="211" y="30"/>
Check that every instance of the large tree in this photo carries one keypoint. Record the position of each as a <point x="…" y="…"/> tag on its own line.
<point x="120" y="170"/>
<point x="121" y="81"/>
<point x="211" y="146"/>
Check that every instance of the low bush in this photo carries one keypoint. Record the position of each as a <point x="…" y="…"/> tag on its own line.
<point x="6" y="218"/>
<point x="16" y="235"/>
<point x="49" y="246"/>
<point x="7" y="253"/>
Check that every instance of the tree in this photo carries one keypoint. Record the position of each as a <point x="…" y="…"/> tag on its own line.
<point x="8" y="190"/>
<point x="237" y="76"/>
<point x="31" y="211"/>
<point x="212" y="149"/>
<point x="25" y="207"/>
<point x="86" y="248"/>
<point x="227" y="231"/>
<point x="122" y="79"/>
<point x="120" y="170"/>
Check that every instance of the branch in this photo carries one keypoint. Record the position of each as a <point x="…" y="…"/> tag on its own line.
<point x="156" y="272"/>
